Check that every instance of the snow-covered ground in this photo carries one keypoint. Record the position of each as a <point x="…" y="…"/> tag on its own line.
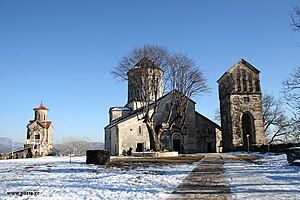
<point x="272" y="178"/>
<point x="56" y="178"/>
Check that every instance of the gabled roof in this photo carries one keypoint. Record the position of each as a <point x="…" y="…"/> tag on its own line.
<point x="121" y="119"/>
<point x="241" y="61"/>
<point x="202" y="116"/>
<point x="45" y="125"/>
<point x="120" y="108"/>
<point x="48" y="124"/>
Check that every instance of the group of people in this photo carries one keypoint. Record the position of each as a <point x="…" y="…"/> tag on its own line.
<point x="127" y="153"/>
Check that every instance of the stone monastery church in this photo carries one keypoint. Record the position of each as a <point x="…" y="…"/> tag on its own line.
<point x="240" y="108"/>
<point x="126" y="130"/>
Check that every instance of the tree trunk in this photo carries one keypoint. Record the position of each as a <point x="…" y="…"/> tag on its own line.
<point x="151" y="136"/>
<point x="157" y="143"/>
<point x="154" y="137"/>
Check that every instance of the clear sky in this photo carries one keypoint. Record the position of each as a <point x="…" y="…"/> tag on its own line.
<point x="62" y="52"/>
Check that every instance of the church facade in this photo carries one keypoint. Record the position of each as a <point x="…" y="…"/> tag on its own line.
<point x="241" y="107"/>
<point x="39" y="133"/>
<point x="127" y="130"/>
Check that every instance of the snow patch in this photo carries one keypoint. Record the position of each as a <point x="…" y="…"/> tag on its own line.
<point x="273" y="178"/>
<point x="57" y="178"/>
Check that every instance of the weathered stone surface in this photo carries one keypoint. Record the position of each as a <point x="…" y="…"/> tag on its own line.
<point x="97" y="157"/>
<point x="127" y="130"/>
<point x="241" y="107"/>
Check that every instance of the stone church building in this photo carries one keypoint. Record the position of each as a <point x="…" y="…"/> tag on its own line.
<point x="39" y="133"/>
<point x="126" y="130"/>
<point x="241" y="107"/>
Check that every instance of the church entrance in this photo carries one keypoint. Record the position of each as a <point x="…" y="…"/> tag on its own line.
<point x="248" y="129"/>
<point x="176" y="140"/>
<point x="209" y="147"/>
<point x="139" y="147"/>
<point x="176" y="145"/>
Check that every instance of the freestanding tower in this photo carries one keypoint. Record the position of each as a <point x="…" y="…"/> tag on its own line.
<point x="241" y="107"/>
<point x="39" y="132"/>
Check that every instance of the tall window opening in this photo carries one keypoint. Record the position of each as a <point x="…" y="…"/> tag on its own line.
<point x="244" y="80"/>
<point x="238" y="81"/>
<point x="250" y="83"/>
<point x="257" y="86"/>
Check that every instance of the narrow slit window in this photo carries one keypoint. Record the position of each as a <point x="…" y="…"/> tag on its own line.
<point x="238" y="81"/>
<point x="257" y="86"/>
<point x="244" y="80"/>
<point x="250" y="83"/>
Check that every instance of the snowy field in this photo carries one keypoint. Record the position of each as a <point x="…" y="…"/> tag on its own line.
<point x="272" y="178"/>
<point x="55" y="178"/>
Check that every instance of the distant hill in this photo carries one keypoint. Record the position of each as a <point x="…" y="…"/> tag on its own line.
<point x="91" y="145"/>
<point x="6" y="145"/>
<point x="96" y="145"/>
<point x="79" y="146"/>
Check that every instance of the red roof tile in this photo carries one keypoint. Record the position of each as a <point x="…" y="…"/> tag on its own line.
<point x="41" y="107"/>
<point x="48" y="124"/>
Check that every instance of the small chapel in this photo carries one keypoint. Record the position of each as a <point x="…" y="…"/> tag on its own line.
<point x="39" y="132"/>
<point x="127" y="131"/>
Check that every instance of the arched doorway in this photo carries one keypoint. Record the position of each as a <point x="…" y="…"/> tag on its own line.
<point x="176" y="142"/>
<point x="248" y="128"/>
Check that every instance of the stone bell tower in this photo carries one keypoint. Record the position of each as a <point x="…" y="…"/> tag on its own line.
<point x="241" y="107"/>
<point x="144" y="81"/>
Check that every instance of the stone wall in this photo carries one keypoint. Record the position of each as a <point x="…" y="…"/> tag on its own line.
<point x="240" y="96"/>
<point x="206" y="134"/>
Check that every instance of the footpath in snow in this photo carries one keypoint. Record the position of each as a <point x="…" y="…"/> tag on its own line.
<point x="272" y="178"/>
<point x="206" y="181"/>
<point x="55" y="178"/>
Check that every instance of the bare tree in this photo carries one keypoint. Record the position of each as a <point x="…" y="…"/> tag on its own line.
<point x="179" y="75"/>
<point x="158" y="55"/>
<point x="217" y="115"/>
<point x="74" y="146"/>
<point x="276" y="123"/>
<point x="291" y="93"/>
<point x="295" y="19"/>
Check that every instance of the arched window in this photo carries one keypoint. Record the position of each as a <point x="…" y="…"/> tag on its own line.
<point x="238" y="81"/>
<point x="244" y="80"/>
<point x="250" y="83"/>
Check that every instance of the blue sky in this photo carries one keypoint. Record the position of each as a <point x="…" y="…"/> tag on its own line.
<point x="62" y="52"/>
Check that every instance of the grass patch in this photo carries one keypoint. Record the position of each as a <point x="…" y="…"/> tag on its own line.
<point x="178" y="159"/>
<point x="249" y="158"/>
